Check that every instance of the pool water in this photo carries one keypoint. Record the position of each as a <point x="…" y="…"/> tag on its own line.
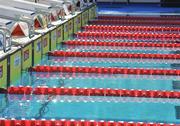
<point x="161" y="110"/>
<point x="72" y="107"/>
<point x="134" y="9"/>
<point x="94" y="108"/>
<point x="98" y="81"/>
<point x="107" y="63"/>
<point x="118" y="49"/>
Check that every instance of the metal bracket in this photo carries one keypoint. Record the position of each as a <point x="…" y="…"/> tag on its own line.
<point x="30" y="23"/>
<point x="72" y="4"/>
<point x="47" y="14"/>
<point x="6" y="38"/>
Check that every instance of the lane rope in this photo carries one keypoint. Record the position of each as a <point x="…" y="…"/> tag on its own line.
<point x="114" y="55"/>
<point x="72" y="122"/>
<point x="122" y="44"/>
<point x="93" y="92"/>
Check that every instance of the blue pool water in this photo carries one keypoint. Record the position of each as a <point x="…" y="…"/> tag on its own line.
<point x="137" y="7"/>
<point x="49" y="107"/>
<point x="112" y="64"/>
<point x="106" y="82"/>
<point x="97" y="81"/>
<point x="100" y="81"/>
<point x="99" y="108"/>
<point x="96" y="108"/>
<point x="108" y="62"/>
<point x="118" y="49"/>
<point x="151" y="9"/>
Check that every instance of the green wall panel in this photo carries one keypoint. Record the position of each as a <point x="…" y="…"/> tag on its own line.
<point x="66" y="29"/>
<point x="45" y="43"/>
<point x="3" y="73"/>
<point x="90" y="13"/>
<point x="15" y="66"/>
<point x="59" y="34"/>
<point x="53" y="39"/>
<point x="70" y="25"/>
<point x="94" y="11"/>
<point x="37" y="50"/>
<point x="77" y="23"/>
<point x="27" y="57"/>
<point x="85" y="17"/>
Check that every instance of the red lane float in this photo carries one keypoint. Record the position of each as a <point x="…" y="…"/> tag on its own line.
<point x="130" y="28"/>
<point x="138" y="17"/>
<point x="94" y="92"/>
<point x="135" y="22"/>
<point x="21" y="90"/>
<point x="123" y="44"/>
<point x="101" y="70"/>
<point x="114" y="55"/>
<point x="122" y="35"/>
<point x="72" y="122"/>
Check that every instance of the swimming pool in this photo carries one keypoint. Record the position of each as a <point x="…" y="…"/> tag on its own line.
<point x="93" y="107"/>
<point x="88" y="108"/>
<point x="102" y="107"/>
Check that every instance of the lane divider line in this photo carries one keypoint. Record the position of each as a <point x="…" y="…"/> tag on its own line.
<point x="94" y="92"/>
<point x="102" y="70"/>
<point x="134" y="22"/>
<point x="130" y="28"/>
<point x="72" y="122"/>
<point x="122" y="44"/>
<point x="114" y="55"/>
<point x="122" y="35"/>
